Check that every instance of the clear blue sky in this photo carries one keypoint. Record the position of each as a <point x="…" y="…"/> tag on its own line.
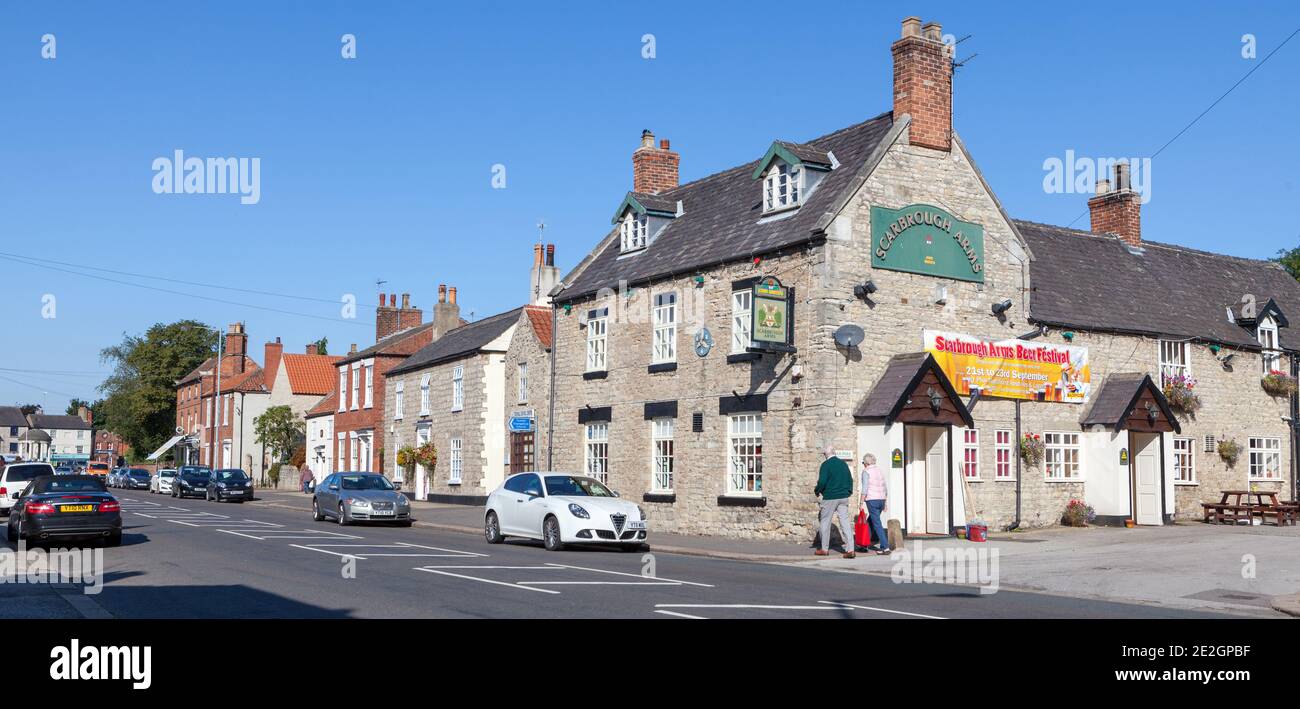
<point x="380" y="167"/>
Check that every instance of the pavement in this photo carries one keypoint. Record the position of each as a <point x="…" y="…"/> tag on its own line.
<point x="269" y="559"/>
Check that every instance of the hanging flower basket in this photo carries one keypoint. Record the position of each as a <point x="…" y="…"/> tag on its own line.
<point x="1180" y="390"/>
<point x="1078" y="514"/>
<point x="1031" y="449"/>
<point x="406" y="458"/>
<point x="1278" y="383"/>
<point x="1229" y="451"/>
<point x="427" y="456"/>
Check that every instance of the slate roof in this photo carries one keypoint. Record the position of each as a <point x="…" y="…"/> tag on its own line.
<point x="310" y="374"/>
<point x="62" y="423"/>
<point x="1085" y="281"/>
<point x="1111" y="404"/>
<point x="807" y="153"/>
<point x="540" y="318"/>
<point x="462" y="341"/>
<point x="327" y="405"/>
<point x="721" y="218"/>
<point x="13" y="416"/>
<point x="391" y="345"/>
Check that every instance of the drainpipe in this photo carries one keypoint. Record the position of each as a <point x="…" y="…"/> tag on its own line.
<point x="550" y="416"/>
<point x="1295" y="430"/>
<point x="1016" y="524"/>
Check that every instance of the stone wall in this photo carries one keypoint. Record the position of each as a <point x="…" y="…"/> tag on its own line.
<point x="525" y="348"/>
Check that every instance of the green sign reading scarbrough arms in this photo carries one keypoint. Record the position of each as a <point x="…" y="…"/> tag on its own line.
<point x="920" y="238"/>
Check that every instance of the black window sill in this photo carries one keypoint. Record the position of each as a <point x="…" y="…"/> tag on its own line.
<point x="741" y="501"/>
<point x="664" y="498"/>
<point x="743" y="357"/>
<point x="595" y="375"/>
<point x="665" y="367"/>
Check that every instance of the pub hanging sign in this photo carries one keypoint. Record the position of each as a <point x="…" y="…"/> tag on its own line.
<point x="770" y="316"/>
<point x="923" y="239"/>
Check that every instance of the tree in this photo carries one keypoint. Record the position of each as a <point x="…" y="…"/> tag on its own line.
<point x="140" y="395"/>
<point x="280" y="429"/>
<point x="322" y="345"/>
<point x="74" y="406"/>
<point x="1290" y="260"/>
<point x="29" y="409"/>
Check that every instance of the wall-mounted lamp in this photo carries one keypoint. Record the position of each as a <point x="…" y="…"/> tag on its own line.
<point x="1214" y="349"/>
<point x="568" y="308"/>
<point x="1001" y="307"/>
<point x="699" y="281"/>
<point x="936" y="401"/>
<point x="863" y="290"/>
<point x="1069" y="336"/>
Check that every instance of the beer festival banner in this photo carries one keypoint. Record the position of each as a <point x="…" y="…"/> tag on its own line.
<point x="1012" y="369"/>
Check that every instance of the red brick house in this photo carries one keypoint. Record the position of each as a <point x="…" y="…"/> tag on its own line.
<point x="194" y="401"/>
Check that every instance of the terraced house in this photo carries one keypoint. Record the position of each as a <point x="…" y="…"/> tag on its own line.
<point x="866" y="289"/>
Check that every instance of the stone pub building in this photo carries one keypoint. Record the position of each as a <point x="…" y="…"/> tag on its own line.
<point x="866" y="289"/>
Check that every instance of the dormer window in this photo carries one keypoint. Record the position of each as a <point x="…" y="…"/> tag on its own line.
<point x="1266" y="334"/>
<point x="632" y="231"/>
<point x="782" y="187"/>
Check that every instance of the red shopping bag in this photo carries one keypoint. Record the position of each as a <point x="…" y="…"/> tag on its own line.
<point x="862" y="530"/>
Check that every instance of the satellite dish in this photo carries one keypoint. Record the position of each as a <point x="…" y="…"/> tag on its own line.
<point x="849" y="336"/>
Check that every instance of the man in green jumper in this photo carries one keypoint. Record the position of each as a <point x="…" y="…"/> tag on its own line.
<point x="835" y="485"/>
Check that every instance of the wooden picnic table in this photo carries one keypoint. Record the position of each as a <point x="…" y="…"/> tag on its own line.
<point x="1232" y="509"/>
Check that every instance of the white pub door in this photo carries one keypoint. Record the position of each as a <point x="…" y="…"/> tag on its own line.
<point x="928" y="465"/>
<point x="1146" y="479"/>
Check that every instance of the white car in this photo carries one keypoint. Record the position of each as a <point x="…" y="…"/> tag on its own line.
<point x="562" y="508"/>
<point x="14" y="479"/>
<point x="161" y="482"/>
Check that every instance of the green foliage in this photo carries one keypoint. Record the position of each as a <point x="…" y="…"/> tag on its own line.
<point x="74" y="406"/>
<point x="280" y="430"/>
<point x="29" y="409"/>
<point x="1290" y="260"/>
<point x="322" y="345"/>
<point x="140" y="395"/>
<point x="273" y="474"/>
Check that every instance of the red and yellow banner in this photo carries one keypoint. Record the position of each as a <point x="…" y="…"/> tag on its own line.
<point x="1012" y="369"/>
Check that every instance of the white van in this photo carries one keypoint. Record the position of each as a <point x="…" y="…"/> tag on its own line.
<point x="14" y="479"/>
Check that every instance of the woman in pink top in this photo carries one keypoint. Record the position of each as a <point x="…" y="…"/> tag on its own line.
<point x="873" y="495"/>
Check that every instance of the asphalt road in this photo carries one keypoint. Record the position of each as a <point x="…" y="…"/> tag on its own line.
<point x="198" y="559"/>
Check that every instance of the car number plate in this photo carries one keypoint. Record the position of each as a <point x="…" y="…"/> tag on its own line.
<point x="636" y="525"/>
<point x="383" y="513"/>
<point x="76" y="508"/>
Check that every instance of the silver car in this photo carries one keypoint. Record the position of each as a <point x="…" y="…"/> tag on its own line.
<point x="360" y="497"/>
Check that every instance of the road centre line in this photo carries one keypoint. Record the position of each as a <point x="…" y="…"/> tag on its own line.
<point x="436" y="570"/>
<point x="599" y="583"/>
<point x="640" y="576"/>
<point x="682" y="615"/>
<point x="883" y="610"/>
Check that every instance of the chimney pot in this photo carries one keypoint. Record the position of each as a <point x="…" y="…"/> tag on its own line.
<point x="1103" y="186"/>
<point x="442" y="293"/>
<point x="663" y="144"/>
<point x="406" y="301"/>
<point x="1121" y="176"/>
<point x="451" y="295"/>
<point x="912" y="27"/>
<point x="647" y="139"/>
<point x="933" y="31"/>
<point x="537" y="254"/>
<point x="550" y="254"/>
<point x="353" y="348"/>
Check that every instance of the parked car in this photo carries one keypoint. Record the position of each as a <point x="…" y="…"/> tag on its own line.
<point x="64" y="470"/>
<point x="191" y="483"/>
<point x="15" y="477"/>
<point x="134" y="479"/>
<point x="559" y="509"/>
<point x="360" y="497"/>
<point x="161" y="482"/>
<point x="66" y="507"/>
<point x="229" y="484"/>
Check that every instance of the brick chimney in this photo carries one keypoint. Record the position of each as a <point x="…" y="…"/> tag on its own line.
<point x="1117" y="209"/>
<point x="84" y="413"/>
<point x="543" y="276"/>
<point x="311" y="349"/>
<point x="271" y="361"/>
<point x="236" y="350"/>
<point x="923" y="84"/>
<point x="390" y="318"/>
<point x="654" y="170"/>
<point x="446" y="313"/>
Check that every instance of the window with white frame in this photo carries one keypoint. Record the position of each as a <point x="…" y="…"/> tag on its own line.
<point x="970" y="453"/>
<point x="424" y="395"/>
<point x="1174" y="360"/>
<point x="341" y="451"/>
<point x="1265" y="455"/>
<point x="597" y="451"/>
<point x="399" y="473"/>
<point x="522" y="380"/>
<point x="458" y="388"/>
<point x="1061" y="456"/>
<point x="399" y="398"/>
<point x="745" y="448"/>
<point x="597" y="334"/>
<point x="661" y="442"/>
<point x="781" y="186"/>
<point x="1266" y="333"/>
<point x="354" y="450"/>
<point x="343" y="388"/>
<point x="1184" y="461"/>
<point x="632" y="231"/>
<point x="456" y="461"/>
<point x="356" y="386"/>
<point x="370" y="385"/>
<point x="741" y="303"/>
<point x="1002" y="452"/>
<point x="664" y="344"/>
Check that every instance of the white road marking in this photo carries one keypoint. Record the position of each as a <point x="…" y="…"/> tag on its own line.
<point x="475" y="578"/>
<point x="450" y="553"/>
<point x="744" y="605"/>
<point x="639" y="576"/>
<point x="291" y="534"/>
<point x="682" y="615"/>
<point x="883" y="610"/>
<point x="599" y="583"/>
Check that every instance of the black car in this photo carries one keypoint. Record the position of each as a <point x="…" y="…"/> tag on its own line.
<point x="66" y="507"/>
<point x="134" y="479"/>
<point x="191" y="482"/>
<point x="229" y="484"/>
